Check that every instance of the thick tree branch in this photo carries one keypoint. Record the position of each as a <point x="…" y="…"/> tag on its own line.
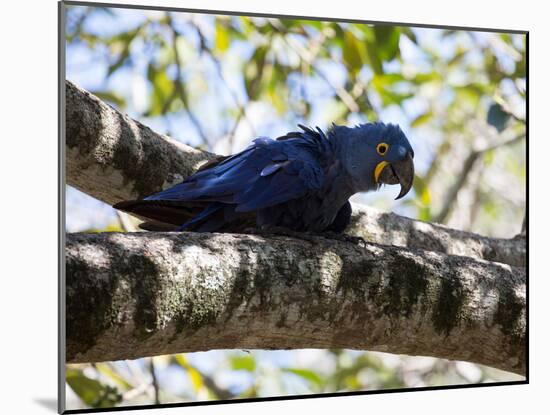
<point x="392" y="229"/>
<point x="132" y="295"/>
<point x="113" y="158"/>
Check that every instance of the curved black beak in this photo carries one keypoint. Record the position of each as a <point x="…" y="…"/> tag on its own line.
<point x="404" y="170"/>
<point x="401" y="172"/>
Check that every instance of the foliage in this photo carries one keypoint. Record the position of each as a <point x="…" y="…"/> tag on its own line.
<point x="91" y="391"/>
<point x="240" y="374"/>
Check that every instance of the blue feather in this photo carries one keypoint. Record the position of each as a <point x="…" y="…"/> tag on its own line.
<point x="251" y="179"/>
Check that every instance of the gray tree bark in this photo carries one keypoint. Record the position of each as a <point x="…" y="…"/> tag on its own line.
<point x="439" y="292"/>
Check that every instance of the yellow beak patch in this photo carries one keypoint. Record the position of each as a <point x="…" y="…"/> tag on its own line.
<point x="378" y="169"/>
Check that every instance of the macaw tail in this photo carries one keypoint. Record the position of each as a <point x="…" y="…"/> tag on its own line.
<point x="167" y="216"/>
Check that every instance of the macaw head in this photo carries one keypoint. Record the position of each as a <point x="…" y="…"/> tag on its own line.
<point x="376" y="154"/>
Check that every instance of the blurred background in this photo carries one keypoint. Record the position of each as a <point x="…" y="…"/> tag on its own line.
<point x="217" y="82"/>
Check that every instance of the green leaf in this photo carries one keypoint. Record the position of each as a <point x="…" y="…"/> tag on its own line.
<point x="113" y="227"/>
<point x="121" y="60"/>
<point x="497" y="117"/>
<point x="520" y="69"/>
<point x="493" y="67"/>
<point x="391" y="97"/>
<point x="122" y="42"/>
<point x="112" y="97"/>
<point x="247" y="26"/>
<point x="196" y="378"/>
<point x="491" y="208"/>
<point x="291" y="24"/>
<point x="92" y="392"/>
<point x="387" y="79"/>
<point x="221" y="42"/>
<point x="382" y="84"/>
<point x="467" y="95"/>
<point x="253" y="72"/>
<point x="236" y="33"/>
<point x="422" y="119"/>
<point x="247" y="363"/>
<point x="367" y="31"/>
<point x="194" y="375"/>
<point x="421" y="190"/>
<point x="313" y="23"/>
<point x="460" y="53"/>
<point x="446" y="33"/>
<point x="309" y="375"/>
<point x="274" y="85"/>
<point x="488" y="157"/>
<point x="106" y="370"/>
<point x="354" y="52"/>
<point x="337" y="39"/>
<point x="424" y="213"/>
<point x="162" y="88"/>
<point x="407" y="31"/>
<point x="387" y="42"/>
<point x="421" y="78"/>
<point x="374" y="59"/>
<point x="336" y="110"/>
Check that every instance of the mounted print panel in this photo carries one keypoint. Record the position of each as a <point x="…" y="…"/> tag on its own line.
<point x="271" y="207"/>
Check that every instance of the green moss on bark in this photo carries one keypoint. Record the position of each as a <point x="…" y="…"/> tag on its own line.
<point x="447" y="312"/>
<point x="407" y="285"/>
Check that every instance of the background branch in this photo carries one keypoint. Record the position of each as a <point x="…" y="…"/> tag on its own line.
<point x="178" y="84"/>
<point x="154" y="380"/>
<point x="219" y="69"/>
<point x="308" y="57"/>
<point x="468" y="165"/>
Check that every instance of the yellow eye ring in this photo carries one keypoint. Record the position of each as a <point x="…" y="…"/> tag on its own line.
<point x="382" y="148"/>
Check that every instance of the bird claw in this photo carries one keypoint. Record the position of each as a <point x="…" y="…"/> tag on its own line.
<point x="343" y="237"/>
<point x="307" y="236"/>
<point x="282" y="231"/>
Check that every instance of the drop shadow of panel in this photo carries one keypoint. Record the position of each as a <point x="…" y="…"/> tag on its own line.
<point x="49" y="403"/>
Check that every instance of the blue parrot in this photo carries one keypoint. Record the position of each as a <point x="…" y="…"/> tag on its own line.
<point x="301" y="181"/>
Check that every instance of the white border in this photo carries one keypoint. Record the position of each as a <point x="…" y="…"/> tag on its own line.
<point x="28" y="170"/>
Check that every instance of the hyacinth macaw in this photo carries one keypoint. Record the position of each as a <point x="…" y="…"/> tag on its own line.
<point x="301" y="181"/>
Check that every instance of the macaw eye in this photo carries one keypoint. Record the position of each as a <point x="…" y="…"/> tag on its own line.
<point x="382" y="148"/>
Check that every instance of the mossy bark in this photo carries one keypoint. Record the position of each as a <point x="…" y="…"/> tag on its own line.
<point x="141" y="294"/>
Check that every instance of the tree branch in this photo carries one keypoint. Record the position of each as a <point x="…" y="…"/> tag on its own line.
<point x="142" y="294"/>
<point x="468" y="165"/>
<point x="392" y="229"/>
<point x="113" y="158"/>
<point x="178" y="83"/>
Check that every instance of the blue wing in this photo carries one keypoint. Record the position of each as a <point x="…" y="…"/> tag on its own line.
<point x="267" y="173"/>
